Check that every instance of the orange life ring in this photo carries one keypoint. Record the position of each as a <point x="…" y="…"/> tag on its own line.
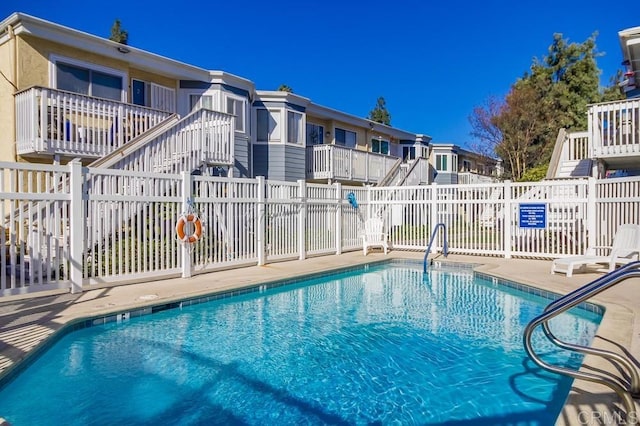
<point x="182" y="222"/>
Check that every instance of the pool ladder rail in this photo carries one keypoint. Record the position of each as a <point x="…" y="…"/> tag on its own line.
<point x="626" y="391"/>
<point x="445" y="246"/>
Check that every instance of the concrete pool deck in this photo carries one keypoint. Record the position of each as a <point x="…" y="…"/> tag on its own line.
<point x="26" y="322"/>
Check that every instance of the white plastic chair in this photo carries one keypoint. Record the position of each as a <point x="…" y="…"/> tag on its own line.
<point x="374" y="235"/>
<point x="625" y="249"/>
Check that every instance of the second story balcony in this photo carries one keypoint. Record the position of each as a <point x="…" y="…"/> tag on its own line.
<point x="612" y="142"/>
<point x="337" y="163"/>
<point x="614" y="131"/>
<point x="55" y="122"/>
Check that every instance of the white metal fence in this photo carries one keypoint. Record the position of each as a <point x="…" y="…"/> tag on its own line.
<point x="74" y="227"/>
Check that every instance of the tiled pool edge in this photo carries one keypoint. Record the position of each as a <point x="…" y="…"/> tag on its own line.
<point x="119" y="315"/>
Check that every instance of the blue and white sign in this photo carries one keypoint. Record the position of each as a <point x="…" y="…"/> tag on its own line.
<point x="533" y="216"/>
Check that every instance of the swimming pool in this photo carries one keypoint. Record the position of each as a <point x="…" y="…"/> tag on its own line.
<point x="375" y="344"/>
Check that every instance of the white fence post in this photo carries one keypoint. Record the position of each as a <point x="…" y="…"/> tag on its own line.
<point x="77" y="226"/>
<point x="592" y="238"/>
<point x="302" y="219"/>
<point x="186" y="249"/>
<point x="506" y="219"/>
<point x="261" y="221"/>
<point x="338" y="232"/>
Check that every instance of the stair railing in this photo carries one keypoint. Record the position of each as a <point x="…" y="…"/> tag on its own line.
<point x="445" y="248"/>
<point x="580" y="295"/>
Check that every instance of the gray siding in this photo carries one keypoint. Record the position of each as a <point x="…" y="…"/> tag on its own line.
<point x="446" y="178"/>
<point x="241" y="167"/>
<point x="279" y="162"/>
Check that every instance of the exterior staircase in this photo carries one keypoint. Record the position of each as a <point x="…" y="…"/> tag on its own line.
<point x="574" y="168"/>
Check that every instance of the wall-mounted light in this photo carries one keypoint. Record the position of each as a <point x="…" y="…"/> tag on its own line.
<point x="123" y="49"/>
<point x="371" y="124"/>
<point x="327" y="134"/>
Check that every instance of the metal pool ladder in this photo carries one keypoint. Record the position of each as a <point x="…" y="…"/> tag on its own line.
<point x="625" y="391"/>
<point x="445" y="249"/>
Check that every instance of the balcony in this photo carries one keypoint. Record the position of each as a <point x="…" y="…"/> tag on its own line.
<point x="332" y="162"/>
<point x="55" y="122"/>
<point x="614" y="130"/>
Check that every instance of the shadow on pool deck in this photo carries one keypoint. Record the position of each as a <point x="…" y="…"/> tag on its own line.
<point x="26" y="322"/>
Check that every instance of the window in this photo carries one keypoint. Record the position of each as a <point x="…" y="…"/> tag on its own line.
<point x="315" y="134"/>
<point x="345" y="138"/>
<point x="267" y="125"/>
<point x="236" y="107"/>
<point x="441" y="162"/>
<point x="200" y="101"/>
<point x="88" y="81"/>
<point x="466" y="165"/>
<point x="409" y="152"/>
<point x="380" y="146"/>
<point x="294" y="127"/>
<point x="153" y="95"/>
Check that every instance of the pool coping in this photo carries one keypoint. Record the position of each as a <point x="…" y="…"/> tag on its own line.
<point x="614" y="313"/>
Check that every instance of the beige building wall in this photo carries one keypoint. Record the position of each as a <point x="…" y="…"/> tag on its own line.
<point x="362" y="135"/>
<point x="33" y="64"/>
<point x="7" y="110"/>
<point x="25" y="61"/>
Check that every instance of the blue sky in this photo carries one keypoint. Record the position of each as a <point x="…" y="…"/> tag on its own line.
<point x="433" y="62"/>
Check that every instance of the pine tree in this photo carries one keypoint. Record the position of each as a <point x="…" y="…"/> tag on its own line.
<point x="118" y="34"/>
<point x="379" y="113"/>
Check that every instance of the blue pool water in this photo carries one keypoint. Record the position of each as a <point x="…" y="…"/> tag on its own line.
<point x="381" y="345"/>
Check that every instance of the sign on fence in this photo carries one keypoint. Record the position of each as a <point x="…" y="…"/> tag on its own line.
<point x="533" y="216"/>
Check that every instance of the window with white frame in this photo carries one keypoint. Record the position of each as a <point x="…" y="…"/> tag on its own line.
<point x="315" y="134"/>
<point x="446" y="162"/>
<point x="267" y="125"/>
<point x="200" y="101"/>
<point x="294" y="127"/>
<point x="380" y="146"/>
<point x="409" y="152"/>
<point x="153" y="95"/>
<point x="345" y="138"/>
<point x="87" y="79"/>
<point x="235" y="106"/>
<point x="441" y="162"/>
<point x="466" y="165"/>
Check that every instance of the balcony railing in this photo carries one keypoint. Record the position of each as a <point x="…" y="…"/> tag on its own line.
<point x="467" y="178"/>
<point x="615" y="128"/>
<point x="50" y="121"/>
<point x="340" y="163"/>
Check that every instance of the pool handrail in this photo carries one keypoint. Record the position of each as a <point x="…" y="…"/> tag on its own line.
<point x="570" y="300"/>
<point x="445" y="248"/>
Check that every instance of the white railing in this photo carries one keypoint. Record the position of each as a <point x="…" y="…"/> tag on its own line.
<point x="69" y="226"/>
<point x="577" y="146"/>
<point x="50" y="121"/>
<point x="466" y="178"/>
<point x="203" y="137"/>
<point x="615" y="128"/>
<point x="340" y="163"/>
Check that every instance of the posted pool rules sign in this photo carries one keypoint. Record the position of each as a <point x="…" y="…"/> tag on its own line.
<point x="533" y="216"/>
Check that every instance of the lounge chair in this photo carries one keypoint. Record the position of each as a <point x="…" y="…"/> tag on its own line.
<point x="374" y="235"/>
<point x="625" y="249"/>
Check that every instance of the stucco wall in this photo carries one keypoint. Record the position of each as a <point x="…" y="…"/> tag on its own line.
<point x="33" y="63"/>
<point x="7" y="117"/>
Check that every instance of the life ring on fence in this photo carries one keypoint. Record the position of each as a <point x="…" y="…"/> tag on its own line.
<point x="182" y="223"/>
